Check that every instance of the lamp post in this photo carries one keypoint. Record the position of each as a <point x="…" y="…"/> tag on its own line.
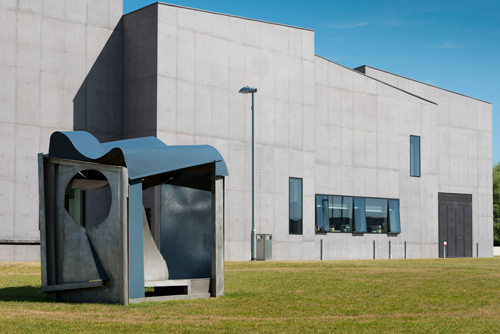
<point x="247" y="90"/>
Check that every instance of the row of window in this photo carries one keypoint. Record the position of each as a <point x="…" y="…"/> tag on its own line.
<point x="345" y="214"/>
<point x="352" y="214"/>
<point x="357" y="214"/>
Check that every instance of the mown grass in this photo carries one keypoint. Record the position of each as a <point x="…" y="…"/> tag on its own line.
<point x="431" y="296"/>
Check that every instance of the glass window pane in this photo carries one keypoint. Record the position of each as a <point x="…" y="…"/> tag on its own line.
<point x="359" y="215"/>
<point x="376" y="215"/>
<point x="394" y="225"/>
<point x="295" y="213"/>
<point x="322" y="224"/>
<point x="414" y="156"/>
<point x="346" y="222"/>
<point x="334" y="213"/>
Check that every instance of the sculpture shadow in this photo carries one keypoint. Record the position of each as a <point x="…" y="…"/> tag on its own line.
<point x="30" y="294"/>
<point x="98" y="103"/>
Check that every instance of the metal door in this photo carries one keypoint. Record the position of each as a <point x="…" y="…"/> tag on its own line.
<point x="455" y="224"/>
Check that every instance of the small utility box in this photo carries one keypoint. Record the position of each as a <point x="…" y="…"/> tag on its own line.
<point x="264" y="247"/>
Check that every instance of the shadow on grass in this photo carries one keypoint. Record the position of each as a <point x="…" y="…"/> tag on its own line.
<point x="23" y="294"/>
<point x="239" y="294"/>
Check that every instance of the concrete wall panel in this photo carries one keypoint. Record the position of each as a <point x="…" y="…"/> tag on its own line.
<point x="27" y="96"/>
<point x="30" y="6"/>
<point x="8" y="93"/>
<point x="7" y="210"/>
<point x="28" y="41"/>
<point x="8" y="4"/>
<point x="8" y="24"/>
<point x="76" y="11"/>
<point x="45" y="59"/>
<point x="26" y="215"/>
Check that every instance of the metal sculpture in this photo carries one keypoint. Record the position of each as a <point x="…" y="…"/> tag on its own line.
<point x="95" y="238"/>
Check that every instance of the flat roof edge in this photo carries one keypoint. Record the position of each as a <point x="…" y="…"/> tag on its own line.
<point x="424" y="83"/>
<point x="217" y="13"/>
<point x="385" y="83"/>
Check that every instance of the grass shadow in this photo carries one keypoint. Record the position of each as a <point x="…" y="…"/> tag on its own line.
<point x="23" y="294"/>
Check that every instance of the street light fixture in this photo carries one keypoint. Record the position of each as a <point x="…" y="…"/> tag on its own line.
<point x="248" y="90"/>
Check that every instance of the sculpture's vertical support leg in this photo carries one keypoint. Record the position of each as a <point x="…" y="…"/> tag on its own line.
<point x="217" y="235"/>
<point x="123" y="211"/>
<point x="47" y="228"/>
<point x="41" y="221"/>
<point x="135" y="245"/>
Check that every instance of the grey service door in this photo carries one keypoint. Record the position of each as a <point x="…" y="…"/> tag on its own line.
<point x="455" y="224"/>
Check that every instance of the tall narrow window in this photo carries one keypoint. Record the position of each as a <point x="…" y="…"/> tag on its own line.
<point x="359" y="215"/>
<point x="394" y="225"/>
<point x="414" y="156"/>
<point x="346" y="224"/>
<point x="295" y="213"/>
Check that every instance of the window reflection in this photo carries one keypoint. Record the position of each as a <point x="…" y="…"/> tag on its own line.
<point x="414" y="156"/>
<point x="334" y="213"/>
<point x="376" y="215"/>
<point x="356" y="214"/>
<point x="394" y="224"/>
<point x="295" y="206"/>
<point x="346" y="223"/>
<point x="359" y="215"/>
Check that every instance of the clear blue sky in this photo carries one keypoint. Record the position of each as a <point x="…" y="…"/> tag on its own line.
<point x="453" y="44"/>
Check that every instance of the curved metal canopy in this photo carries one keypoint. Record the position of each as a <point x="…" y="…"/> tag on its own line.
<point x="143" y="157"/>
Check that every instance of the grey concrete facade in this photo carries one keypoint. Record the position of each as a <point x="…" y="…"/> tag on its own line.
<point x="343" y="131"/>
<point x="462" y="149"/>
<point x="60" y="69"/>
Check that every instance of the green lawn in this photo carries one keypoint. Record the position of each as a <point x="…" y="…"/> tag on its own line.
<point x="450" y="295"/>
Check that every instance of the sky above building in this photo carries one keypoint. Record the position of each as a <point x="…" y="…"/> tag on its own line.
<point x="452" y="44"/>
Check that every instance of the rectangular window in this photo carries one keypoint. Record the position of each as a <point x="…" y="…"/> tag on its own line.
<point x="321" y="210"/>
<point x="347" y="219"/>
<point x="334" y="213"/>
<point x="376" y="215"/>
<point x="357" y="214"/>
<point x="414" y="156"/>
<point x="295" y="209"/>
<point x="394" y="225"/>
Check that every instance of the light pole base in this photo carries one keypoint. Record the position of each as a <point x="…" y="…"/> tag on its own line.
<point x="254" y="245"/>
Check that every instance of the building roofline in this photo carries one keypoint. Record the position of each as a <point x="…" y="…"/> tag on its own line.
<point x="217" y="13"/>
<point x="382" y="82"/>
<point x="423" y="83"/>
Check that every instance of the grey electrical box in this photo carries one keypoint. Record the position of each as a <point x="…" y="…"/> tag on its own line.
<point x="264" y="247"/>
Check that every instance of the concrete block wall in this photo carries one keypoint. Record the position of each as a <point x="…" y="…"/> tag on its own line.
<point x="342" y="132"/>
<point x="203" y="60"/>
<point x="60" y="69"/>
<point x="464" y="147"/>
<point x="363" y="129"/>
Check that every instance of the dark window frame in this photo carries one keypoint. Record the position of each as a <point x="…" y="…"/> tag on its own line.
<point x="419" y="157"/>
<point x="353" y="223"/>
<point x="301" y="205"/>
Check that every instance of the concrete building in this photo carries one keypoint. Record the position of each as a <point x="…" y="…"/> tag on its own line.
<point x="334" y="160"/>
<point x="60" y="69"/>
